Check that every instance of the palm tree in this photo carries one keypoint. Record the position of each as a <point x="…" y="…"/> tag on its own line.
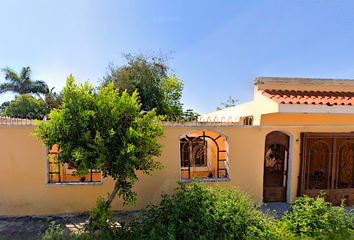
<point x="52" y="100"/>
<point x="22" y="83"/>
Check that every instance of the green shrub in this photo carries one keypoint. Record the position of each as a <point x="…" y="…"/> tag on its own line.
<point x="196" y="211"/>
<point x="316" y="218"/>
<point x="100" y="216"/>
<point x="54" y="232"/>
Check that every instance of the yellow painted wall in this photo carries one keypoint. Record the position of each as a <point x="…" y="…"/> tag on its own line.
<point x="23" y="188"/>
<point x="293" y="119"/>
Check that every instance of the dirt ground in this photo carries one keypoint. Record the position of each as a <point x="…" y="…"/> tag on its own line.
<point x="28" y="227"/>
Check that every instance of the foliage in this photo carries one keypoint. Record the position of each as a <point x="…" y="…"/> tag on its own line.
<point x="229" y="103"/>
<point x="316" y="218"/>
<point x="22" y="83"/>
<point x="172" y="88"/>
<point x="3" y="107"/>
<point x="100" y="216"/>
<point x="26" y="106"/>
<point x="196" y="211"/>
<point x="148" y="74"/>
<point x="53" y="100"/>
<point x="190" y="115"/>
<point x="104" y="130"/>
<point x="54" y="232"/>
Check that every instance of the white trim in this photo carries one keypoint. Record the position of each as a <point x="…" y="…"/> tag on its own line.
<point x="315" y="109"/>
<point x="303" y="81"/>
<point x="222" y="179"/>
<point x="290" y="166"/>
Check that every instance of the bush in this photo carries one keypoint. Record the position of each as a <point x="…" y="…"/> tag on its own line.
<point x="196" y="211"/>
<point x="54" y="232"/>
<point x="100" y="216"/>
<point x="314" y="217"/>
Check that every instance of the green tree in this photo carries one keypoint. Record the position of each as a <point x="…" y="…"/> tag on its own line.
<point x="25" y="106"/>
<point x="22" y="83"/>
<point x="53" y="100"/>
<point x="3" y="107"/>
<point x="229" y="103"/>
<point x="104" y="130"/>
<point x="149" y="76"/>
<point x="189" y="115"/>
<point x="172" y="88"/>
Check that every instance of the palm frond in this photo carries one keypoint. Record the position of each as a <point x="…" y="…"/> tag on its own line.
<point x="7" y="87"/>
<point x="38" y="87"/>
<point x="10" y="75"/>
<point x="22" y="83"/>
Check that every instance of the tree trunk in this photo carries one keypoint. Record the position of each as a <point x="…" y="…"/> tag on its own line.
<point x="113" y="194"/>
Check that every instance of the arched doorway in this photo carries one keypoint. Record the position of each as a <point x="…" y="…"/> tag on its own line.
<point x="276" y="157"/>
<point x="203" y="155"/>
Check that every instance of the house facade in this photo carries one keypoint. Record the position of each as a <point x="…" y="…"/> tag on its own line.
<point x="296" y="137"/>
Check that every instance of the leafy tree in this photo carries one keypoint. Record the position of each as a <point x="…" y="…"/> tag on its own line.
<point x="229" y="103"/>
<point x="104" y="130"/>
<point x="53" y="100"/>
<point x="149" y="76"/>
<point x="190" y="115"/>
<point x="22" y="83"/>
<point x="172" y="89"/>
<point x="3" y="107"/>
<point x="26" y="106"/>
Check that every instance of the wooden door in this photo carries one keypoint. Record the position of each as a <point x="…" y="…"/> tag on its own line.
<point x="328" y="166"/>
<point x="275" y="167"/>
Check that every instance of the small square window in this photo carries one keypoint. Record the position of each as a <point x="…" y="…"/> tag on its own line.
<point x="65" y="173"/>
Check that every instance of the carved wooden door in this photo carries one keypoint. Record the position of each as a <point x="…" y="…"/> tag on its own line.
<point x="328" y="166"/>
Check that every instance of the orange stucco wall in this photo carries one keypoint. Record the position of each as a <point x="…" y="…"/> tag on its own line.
<point x="23" y="188"/>
<point x="298" y="119"/>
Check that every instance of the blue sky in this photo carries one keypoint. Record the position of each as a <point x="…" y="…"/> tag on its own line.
<point x="219" y="46"/>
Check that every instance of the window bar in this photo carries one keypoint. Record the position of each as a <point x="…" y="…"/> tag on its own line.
<point x="59" y="172"/>
<point x="189" y="169"/>
<point x="91" y="174"/>
<point x="205" y="151"/>
<point x="218" y="162"/>
<point x="48" y="167"/>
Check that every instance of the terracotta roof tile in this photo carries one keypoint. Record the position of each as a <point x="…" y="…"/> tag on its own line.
<point x="309" y="97"/>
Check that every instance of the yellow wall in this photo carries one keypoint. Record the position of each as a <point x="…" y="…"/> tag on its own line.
<point x="23" y="188"/>
<point x="285" y="119"/>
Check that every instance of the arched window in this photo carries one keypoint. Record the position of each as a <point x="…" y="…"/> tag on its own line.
<point x="203" y="154"/>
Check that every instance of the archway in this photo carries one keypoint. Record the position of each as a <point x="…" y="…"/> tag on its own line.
<point x="276" y="157"/>
<point x="203" y="155"/>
